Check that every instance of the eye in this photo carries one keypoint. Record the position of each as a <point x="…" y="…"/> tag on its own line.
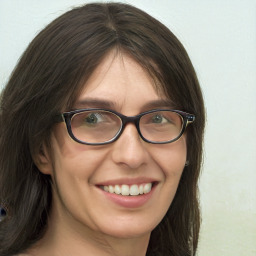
<point x="93" y="118"/>
<point x="159" y="119"/>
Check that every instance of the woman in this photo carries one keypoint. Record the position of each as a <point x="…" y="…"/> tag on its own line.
<point x="101" y="139"/>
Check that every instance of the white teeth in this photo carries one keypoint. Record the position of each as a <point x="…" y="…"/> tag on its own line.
<point x="126" y="190"/>
<point x="147" y="188"/>
<point x="111" y="189"/>
<point x="117" y="189"/>
<point x="134" y="190"/>
<point x="141" y="189"/>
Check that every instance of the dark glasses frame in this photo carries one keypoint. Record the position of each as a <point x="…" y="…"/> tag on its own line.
<point x="67" y="117"/>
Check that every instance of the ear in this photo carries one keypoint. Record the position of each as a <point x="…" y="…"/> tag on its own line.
<point x="43" y="160"/>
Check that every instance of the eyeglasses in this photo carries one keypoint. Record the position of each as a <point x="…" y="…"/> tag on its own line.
<point x="100" y="126"/>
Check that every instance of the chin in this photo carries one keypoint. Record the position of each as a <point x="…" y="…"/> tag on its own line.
<point x="129" y="231"/>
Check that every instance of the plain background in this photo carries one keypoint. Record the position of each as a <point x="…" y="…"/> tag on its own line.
<point x="220" y="37"/>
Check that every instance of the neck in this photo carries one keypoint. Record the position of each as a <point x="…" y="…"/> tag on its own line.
<point x="64" y="238"/>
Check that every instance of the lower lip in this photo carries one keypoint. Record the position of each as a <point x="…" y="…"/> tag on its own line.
<point x="129" y="201"/>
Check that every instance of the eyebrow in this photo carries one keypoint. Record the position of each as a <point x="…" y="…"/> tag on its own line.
<point x="95" y="103"/>
<point x="102" y="103"/>
<point x="161" y="103"/>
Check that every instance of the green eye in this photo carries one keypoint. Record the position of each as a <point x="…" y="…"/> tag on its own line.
<point x="92" y="118"/>
<point x="157" y="119"/>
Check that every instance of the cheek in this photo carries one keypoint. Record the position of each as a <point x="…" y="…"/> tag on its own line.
<point x="78" y="162"/>
<point x="74" y="167"/>
<point x="171" y="158"/>
<point x="74" y="159"/>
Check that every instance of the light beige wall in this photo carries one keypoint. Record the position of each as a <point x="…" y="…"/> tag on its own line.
<point x="220" y="37"/>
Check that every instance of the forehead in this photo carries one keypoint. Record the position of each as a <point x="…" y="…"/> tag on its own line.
<point x="122" y="80"/>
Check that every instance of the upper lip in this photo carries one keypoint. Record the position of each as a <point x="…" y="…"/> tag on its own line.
<point x="127" y="181"/>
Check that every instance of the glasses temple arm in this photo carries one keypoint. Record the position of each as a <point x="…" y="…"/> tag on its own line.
<point x="59" y="118"/>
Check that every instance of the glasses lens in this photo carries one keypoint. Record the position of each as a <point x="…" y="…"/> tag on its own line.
<point x="95" y="126"/>
<point x="161" y="126"/>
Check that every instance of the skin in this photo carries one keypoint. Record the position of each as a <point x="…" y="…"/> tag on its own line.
<point x="83" y="220"/>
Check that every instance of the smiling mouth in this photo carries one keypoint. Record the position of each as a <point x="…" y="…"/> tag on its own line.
<point x="128" y="190"/>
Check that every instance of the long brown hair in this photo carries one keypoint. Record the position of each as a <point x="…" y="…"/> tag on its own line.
<point x="48" y="78"/>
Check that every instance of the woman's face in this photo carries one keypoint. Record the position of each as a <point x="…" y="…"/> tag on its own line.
<point x="79" y="171"/>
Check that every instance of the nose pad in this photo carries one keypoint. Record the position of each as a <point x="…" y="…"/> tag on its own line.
<point x="129" y="149"/>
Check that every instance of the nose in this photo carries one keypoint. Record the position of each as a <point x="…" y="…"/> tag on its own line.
<point x="130" y="150"/>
